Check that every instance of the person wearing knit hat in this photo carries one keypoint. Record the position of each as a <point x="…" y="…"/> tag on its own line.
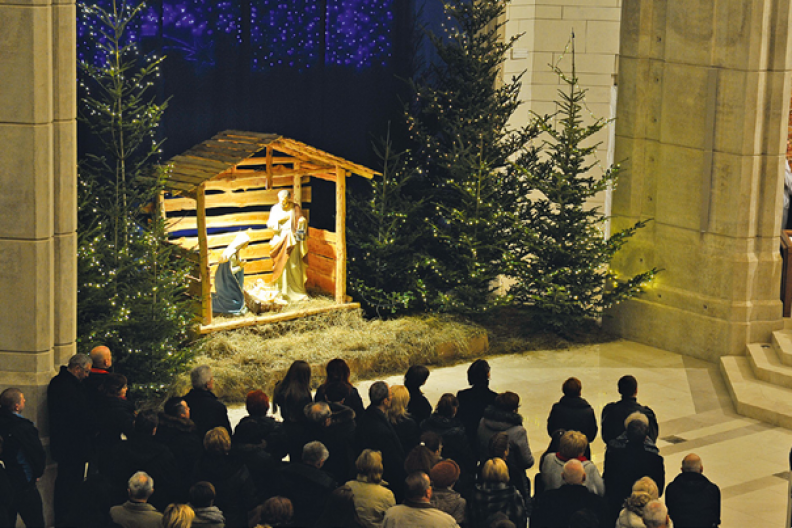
<point x="444" y="475"/>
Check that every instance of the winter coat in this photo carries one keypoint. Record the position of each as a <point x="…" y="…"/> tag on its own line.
<point x="210" y="517"/>
<point x="21" y="436"/>
<point x="417" y="515"/>
<point x="455" y="440"/>
<point x="496" y="421"/>
<point x="627" y="460"/>
<point x="614" y="414"/>
<point x="472" y="403"/>
<point x="353" y="401"/>
<point x="451" y="502"/>
<point x="573" y="413"/>
<point x="264" y="469"/>
<point x="207" y="411"/>
<point x="553" y="466"/>
<point x="272" y="432"/>
<point x="339" y="439"/>
<point x="180" y="436"/>
<point x="493" y="497"/>
<point x="71" y="418"/>
<point x="371" y="501"/>
<point x="114" y="416"/>
<point x="628" y="519"/>
<point x="374" y="431"/>
<point x="693" y="501"/>
<point x="136" y="515"/>
<point x="408" y="432"/>
<point x="553" y="508"/>
<point x="419" y="407"/>
<point x="236" y="492"/>
<point x="308" y="489"/>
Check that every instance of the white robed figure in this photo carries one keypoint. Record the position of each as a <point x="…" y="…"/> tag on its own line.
<point x="288" y="248"/>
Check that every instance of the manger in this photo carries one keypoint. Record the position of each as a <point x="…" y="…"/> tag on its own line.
<point x="229" y="184"/>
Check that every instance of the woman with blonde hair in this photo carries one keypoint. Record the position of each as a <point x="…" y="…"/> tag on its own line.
<point x="494" y="494"/>
<point x="643" y="492"/>
<point x="406" y="428"/>
<point x="371" y="496"/>
<point x="178" y="516"/>
<point x="573" y="445"/>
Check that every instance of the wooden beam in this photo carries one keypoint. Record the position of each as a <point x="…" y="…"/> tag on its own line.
<point x="203" y="249"/>
<point x="263" y="319"/>
<point x="297" y="185"/>
<point x="340" y="228"/>
<point x="269" y="167"/>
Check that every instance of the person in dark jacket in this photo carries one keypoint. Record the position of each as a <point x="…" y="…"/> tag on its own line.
<point x="628" y="458"/>
<point x="24" y="459"/>
<point x="72" y="430"/>
<point x="455" y="441"/>
<point x="573" y="413"/>
<point x="406" y="428"/>
<point x="306" y="485"/>
<point x="419" y="407"/>
<point x="270" y="430"/>
<point x="248" y="446"/>
<point x="290" y="396"/>
<point x="502" y="416"/>
<point x="614" y="413"/>
<point x="553" y="508"/>
<point x="207" y="515"/>
<point x="374" y="431"/>
<point x="205" y="409"/>
<point x="474" y="400"/>
<point x="236" y="493"/>
<point x="693" y="501"/>
<point x="334" y="426"/>
<point x="141" y="452"/>
<point x="494" y="494"/>
<point x="6" y="494"/>
<point x="101" y="366"/>
<point x="178" y="433"/>
<point x="115" y="415"/>
<point x="338" y="372"/>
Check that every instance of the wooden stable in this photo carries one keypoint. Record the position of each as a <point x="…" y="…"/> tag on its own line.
<point x="228" y="183"/>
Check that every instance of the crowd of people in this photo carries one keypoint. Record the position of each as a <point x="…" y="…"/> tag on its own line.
<point x="332" y="462"/>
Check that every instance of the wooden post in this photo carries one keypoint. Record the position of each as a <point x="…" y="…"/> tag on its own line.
<point x="297" y="185"/>
<point x="340" y="227"/>
<point x="203" y="249"/>
<point x="269" y="166"/>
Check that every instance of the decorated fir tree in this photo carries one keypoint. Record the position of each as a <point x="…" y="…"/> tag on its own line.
<point x="561" y="265"/>
<point x="131" y="283"/>
<point x="384" y="226"/>
<point x="462" y="143"/>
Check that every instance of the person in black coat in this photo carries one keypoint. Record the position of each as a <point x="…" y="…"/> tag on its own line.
<point x="474" y="400"/>
<point x="269" y="429"/>
<point x="693" y="501"/>
<point x="141" y="452"/>
<point x="290" y="396"/>
<point x="72" y="430"/>
<point x="406" y="428"/>
<point x="236" y="492"/>
<point x="374" y="431"/>
<point x="419" y="407"/>
<point x="338" y="372"/>
<point x="628" y="458"/>
<point x="115" y="415"/>
<point x="614" y="413"/>
<point x="24" y="459"/>
<point x="101" y="366"/>
<point x="553" y="508"/>
<point x="178" y="433"/>
<point x="306" y="485"/>
<point x="248" y="446"/>
<point x="333" y="424"/>
<point x="455" y="441"/>
<point x="205" y="409"/>
<point x="573" y="413"/>
<point x="6" y="494"/>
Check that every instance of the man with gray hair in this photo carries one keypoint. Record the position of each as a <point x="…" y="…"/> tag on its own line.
<point x="306" y="485"/>
<point x="656" y="515"/>
<point x="72" y="430"/>
<point x="374" y="431"/>
<point x="693" y="501"/>
<point x="555" y="507"/>
<point x="136" y="512"/>
<point x="206" y="411"/>
<point x="629" y="457"/>
<point x="417" y="511"/>
<point x="333" y="424"/>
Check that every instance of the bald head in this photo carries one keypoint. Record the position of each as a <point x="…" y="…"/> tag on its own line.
<point x="101" y="357"/>
<point x="692" y="464"/>
<point x="573" y="472"/>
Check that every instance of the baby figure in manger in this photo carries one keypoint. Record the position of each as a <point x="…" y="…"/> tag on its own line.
<point x="288" y="248"/>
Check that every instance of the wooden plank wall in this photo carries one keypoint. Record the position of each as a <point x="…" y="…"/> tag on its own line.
<point x="246" y="189"/>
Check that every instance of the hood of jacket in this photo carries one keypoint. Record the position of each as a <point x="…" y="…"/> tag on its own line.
<point x="210" y="514"/>
<point x="442" y="425"/>
<point x="500" y="420"/>
<point x="175" y="423"/>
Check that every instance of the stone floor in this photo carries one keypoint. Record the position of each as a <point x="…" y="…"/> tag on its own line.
<point x="746" y="458"/>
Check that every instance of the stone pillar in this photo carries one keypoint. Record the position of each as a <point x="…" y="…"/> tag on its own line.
<point x="704" y="93"/>
<point x="38" y="175"/>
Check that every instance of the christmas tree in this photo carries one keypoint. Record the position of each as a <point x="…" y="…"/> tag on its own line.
<point x="561" y="265"/>
<point x="459" y="124"/>
<point x="131" y="282"/>
<point x="384" y="227"/>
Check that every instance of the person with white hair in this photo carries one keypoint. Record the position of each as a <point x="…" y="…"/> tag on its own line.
<point x="554" y="507"/>
<point x="693" y="501"/>
<point x="629" y="457"/>
<point x="206" y="411"/>
<point x="306" y="485"/>
<point x="137" y="512"/>
<point x="288" y="247"/>
<point x="656" y="515"/>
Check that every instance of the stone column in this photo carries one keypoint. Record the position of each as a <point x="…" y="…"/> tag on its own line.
<point x="704" y="93"/>
<point x="38" y="175"/>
